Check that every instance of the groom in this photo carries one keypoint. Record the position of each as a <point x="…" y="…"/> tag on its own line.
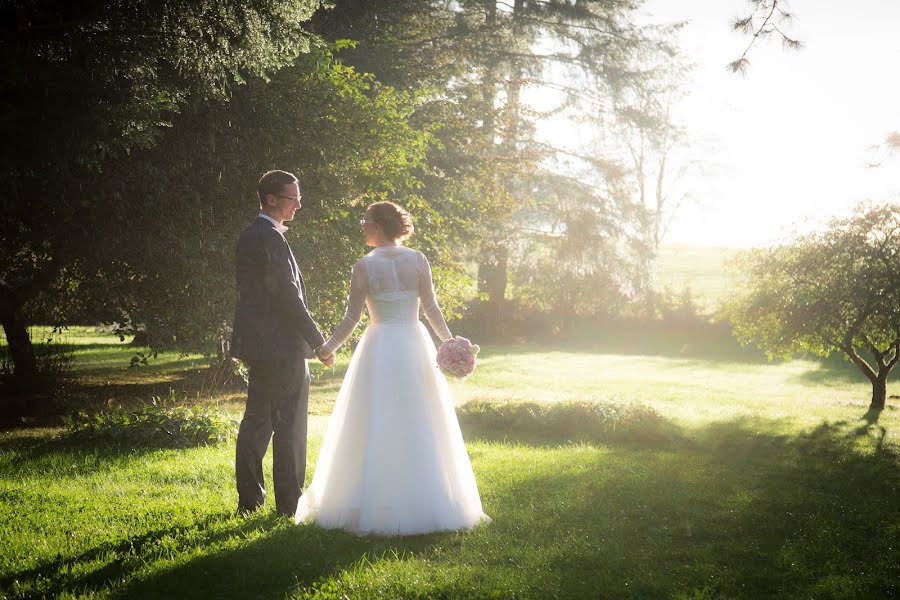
<point x="274" y="334"/>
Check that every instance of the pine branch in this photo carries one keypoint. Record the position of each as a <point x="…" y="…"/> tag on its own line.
<point x="747" y="25"/>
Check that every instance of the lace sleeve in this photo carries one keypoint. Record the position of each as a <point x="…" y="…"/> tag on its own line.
<point x="429" y="302"/>
<point x="355" y="303"/>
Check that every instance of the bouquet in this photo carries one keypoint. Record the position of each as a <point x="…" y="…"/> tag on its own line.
<point x="456" y="357"/>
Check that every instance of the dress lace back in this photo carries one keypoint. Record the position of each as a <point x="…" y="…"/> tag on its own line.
<point x="391" y="281"/>
<point x="392" y="270"/>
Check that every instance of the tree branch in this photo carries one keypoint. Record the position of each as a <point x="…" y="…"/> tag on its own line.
<point x="860" y="362"/>
<point x="740" y="65"/>
<point x="890" y="364"/>
<point x="566" y="25"/>
<point x="879" y="355"/>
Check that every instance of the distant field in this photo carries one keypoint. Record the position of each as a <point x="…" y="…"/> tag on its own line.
<point x="700" y="268"/>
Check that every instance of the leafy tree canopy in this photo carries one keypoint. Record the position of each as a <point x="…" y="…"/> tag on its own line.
<point x="833" y="290"/>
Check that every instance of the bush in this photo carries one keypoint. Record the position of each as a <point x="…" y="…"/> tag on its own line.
<point x="156" y="425"/>
<point x="578" y="420"/>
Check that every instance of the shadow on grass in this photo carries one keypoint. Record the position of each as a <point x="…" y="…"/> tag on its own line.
<point x="130" y="555"/>
<point x="731" y="510"/>
<point x="38" y="456"/>
<point x="870" y="427"/>
<point x="120" y="368"/>
<point x="739" y="514"/>
<point x="275" y="564"/>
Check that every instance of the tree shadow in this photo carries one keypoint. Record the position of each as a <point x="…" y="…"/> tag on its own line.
<point x="736" y="513"/>
<point x="285" y="558"/>
<point x="871" y="416"/>
<point x="871" y="428"/>
<point x="732" y="509"/>
<point x="741" y="514"/>
<point x="56" y="576"/>
<point x="38" y="456"/>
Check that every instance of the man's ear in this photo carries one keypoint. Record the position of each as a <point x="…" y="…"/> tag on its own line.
<point x="271" y="200"/>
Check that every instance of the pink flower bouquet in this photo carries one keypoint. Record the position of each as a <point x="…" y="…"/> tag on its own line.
<point x="456" y="357"/>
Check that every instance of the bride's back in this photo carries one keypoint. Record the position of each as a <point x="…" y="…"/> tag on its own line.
<point x="392" y="281"/>
<point x="392" y="269"/>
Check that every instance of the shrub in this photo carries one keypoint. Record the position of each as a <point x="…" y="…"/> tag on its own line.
<point x="156" y="425"/>
<point x="580" y="420"/>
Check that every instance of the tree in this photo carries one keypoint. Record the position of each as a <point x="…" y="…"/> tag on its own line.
<point x="652" y="142"/>
<point x="477" y="61"/>
<point x="88" y="83"/>
<point x="570" y="260"/>
<point x="833" y="290"/>
<point x="349" y="141"/>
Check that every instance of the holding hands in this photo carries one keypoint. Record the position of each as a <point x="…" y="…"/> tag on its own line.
<point x="327" y="359"/>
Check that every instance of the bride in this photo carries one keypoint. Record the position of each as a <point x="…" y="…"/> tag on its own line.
<point x="393" y="460"/>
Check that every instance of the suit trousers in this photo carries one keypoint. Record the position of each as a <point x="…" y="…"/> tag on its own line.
<point x="277" y="403"/>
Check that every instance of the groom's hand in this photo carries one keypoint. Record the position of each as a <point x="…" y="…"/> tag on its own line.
<point x="327" y="359"/>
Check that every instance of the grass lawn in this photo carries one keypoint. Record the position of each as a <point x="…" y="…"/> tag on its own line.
<point x="777" y="484"/>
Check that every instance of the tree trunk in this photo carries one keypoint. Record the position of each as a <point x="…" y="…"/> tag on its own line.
<point x="879" y="392"/>
<point x="492" y="260"/>
<point x="492" y="279"/>
<point x="878" y="378"/>
<point x="21" y="350"/>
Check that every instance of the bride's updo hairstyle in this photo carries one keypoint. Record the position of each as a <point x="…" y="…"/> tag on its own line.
<point x="395" y="222"/>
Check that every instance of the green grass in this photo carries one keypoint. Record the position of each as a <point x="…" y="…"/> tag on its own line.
<point x="703" y="269"/>
<point x="777" y="484"/>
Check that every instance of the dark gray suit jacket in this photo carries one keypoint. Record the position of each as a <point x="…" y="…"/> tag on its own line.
<point x="271" y="317"/>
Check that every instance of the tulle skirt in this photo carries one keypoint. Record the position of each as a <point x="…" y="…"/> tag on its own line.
<point x="393" y="460"/>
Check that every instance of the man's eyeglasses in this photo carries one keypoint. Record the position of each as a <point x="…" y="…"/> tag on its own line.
<point x="295" y="199"/>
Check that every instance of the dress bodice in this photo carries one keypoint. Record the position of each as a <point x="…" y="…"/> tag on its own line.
<point x="392" y="282"/>
<point x="394" y="308"/>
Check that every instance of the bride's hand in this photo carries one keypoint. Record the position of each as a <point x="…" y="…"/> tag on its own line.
<point x="327" y="359"/>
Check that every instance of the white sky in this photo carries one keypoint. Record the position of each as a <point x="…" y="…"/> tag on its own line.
<point x="788" y="144"/>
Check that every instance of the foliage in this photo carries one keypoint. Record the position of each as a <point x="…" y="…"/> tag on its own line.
<point x="608" y="421"/>
<point x="679" y="308"/>
<point x="348" y="141"/>
<point x="831" y="290"/>
<point x="159" y="424"/>
<point x="149" y="122"/>
<point x="572" y="261"/>
<point x="84" y="85"/>
<point x="475" y="62"/>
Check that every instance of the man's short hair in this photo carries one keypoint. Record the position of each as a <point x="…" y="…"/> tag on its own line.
<point x="272" y="182"/>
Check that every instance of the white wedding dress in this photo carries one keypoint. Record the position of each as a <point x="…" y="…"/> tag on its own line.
<point x="393" y="460"/>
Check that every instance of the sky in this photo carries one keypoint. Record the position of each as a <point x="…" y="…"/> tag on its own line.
<point x="788" y="145"/>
